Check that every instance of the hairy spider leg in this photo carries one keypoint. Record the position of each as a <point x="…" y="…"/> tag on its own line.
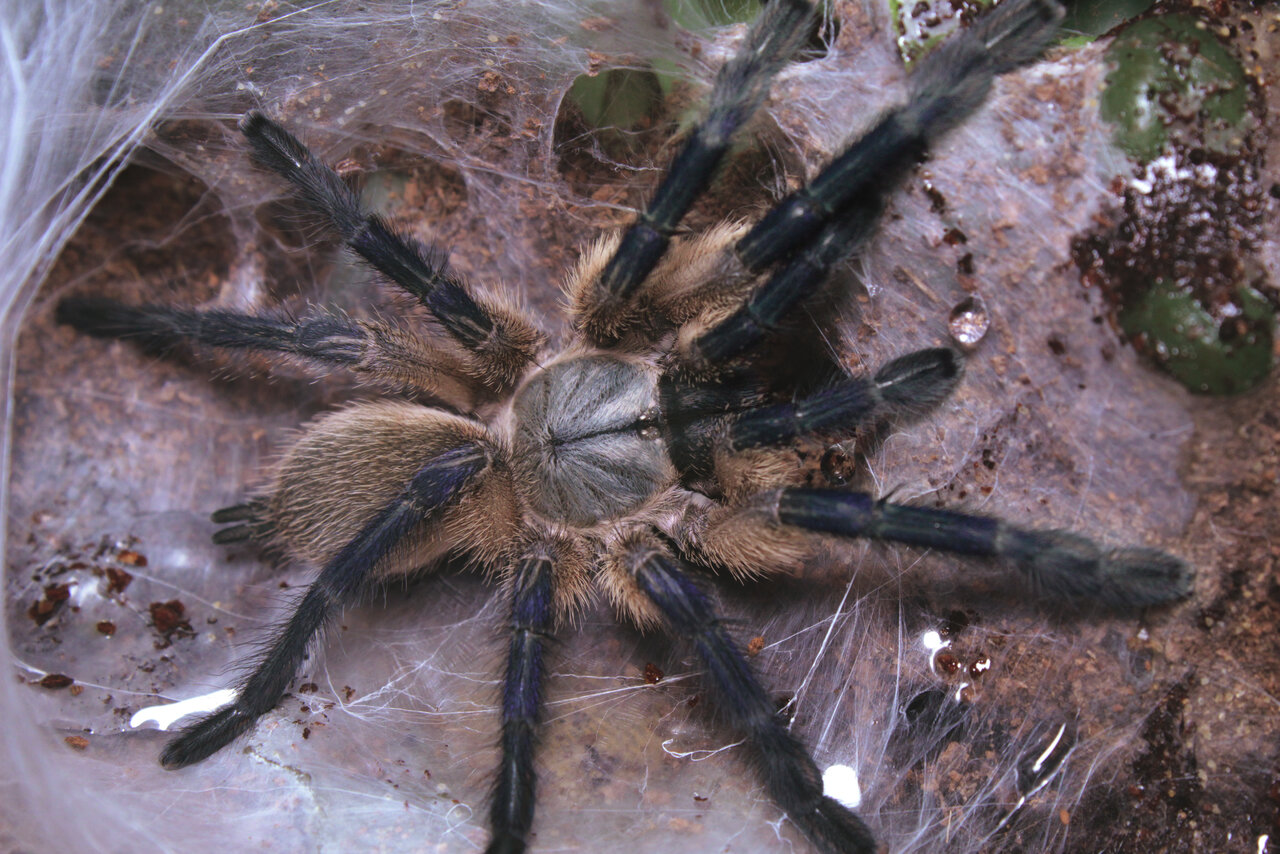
<point x="385" y="354"/>
<point x="1055" y="563"/>
<point x="946" y="87"/>
<point x="501" y="339"/>
<point x="830" y="218"/>
<point x="533" y="600"/>
<point x="921" y="379"/>
<point x="740" y="87"/>
<point x="768" y="306"/>
<point x="340" y="582"/>
<point x="789" y="772"/>
<point x="697" y="416"/>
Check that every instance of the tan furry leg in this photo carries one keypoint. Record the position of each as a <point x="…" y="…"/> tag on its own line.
<point x="511" y="347"/>
<point x="395" y="359"/>
<point x="698" y="274"/>
<point x="571" y="562"/>
<point x="616" y="579"/>
<point x="746" y="539"/>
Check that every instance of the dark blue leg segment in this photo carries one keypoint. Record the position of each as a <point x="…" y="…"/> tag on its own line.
<point x="511" y="814"/>
<point x="339" y="582"/>
<point x="868" y="170"/>
<point x="419" y="270"/>
<point x="918" y="382"/>
<point x="768" y="306"/>
<point x="740" y="87"/>
<point x="841" y="408"/>
<point x="909" y="385"/>
<point x="1055" y="563"/>
<point x="788" y="771"/>
<point x="694" y="412"/>
<point x="325" y="339"/>
<point x="947" y="85"/>
<point x="858" y="514"/>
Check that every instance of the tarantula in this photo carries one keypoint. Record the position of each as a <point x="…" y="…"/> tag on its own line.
<point x="662" y="442"/>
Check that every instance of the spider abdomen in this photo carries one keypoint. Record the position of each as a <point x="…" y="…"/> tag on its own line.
<point x="349" y="464"/>
<point x="585" y="434"/>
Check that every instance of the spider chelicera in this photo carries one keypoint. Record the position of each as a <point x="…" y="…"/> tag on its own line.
<point x="657" y="445"/>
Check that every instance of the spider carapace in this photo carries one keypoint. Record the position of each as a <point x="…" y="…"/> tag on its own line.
<point x="656" y="447"/>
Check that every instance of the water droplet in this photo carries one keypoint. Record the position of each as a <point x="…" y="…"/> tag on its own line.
<point x="969" y="322"/>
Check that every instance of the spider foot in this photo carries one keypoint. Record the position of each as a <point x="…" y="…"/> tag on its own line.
<point x="833" y="827"/>
<point x="796" y="784"/>
<point x="249" y="515"/>
<point x="151" y="326"/>
<point x="206" y="737"/>
<point x="1059" y="563"/>
<point x="919" y="382"/>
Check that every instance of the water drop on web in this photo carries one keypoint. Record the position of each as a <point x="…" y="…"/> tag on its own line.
<point x="969" y="322"/>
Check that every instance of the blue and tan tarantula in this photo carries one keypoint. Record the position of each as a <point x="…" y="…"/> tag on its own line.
<point x="659" y="446"/>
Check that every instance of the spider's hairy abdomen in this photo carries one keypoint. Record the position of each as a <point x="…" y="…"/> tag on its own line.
<point x="586" y="442"/>
<point x="348" y="464"/>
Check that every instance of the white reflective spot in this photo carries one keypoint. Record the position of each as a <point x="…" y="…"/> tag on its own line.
<point x="165" y="716"/>
<point x="1048" y="751"/>
<point x="960" y="692"/>
<point x="1262" y="843"/>
<point x="933" y="642"/>
<point x="840" y="782"/>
